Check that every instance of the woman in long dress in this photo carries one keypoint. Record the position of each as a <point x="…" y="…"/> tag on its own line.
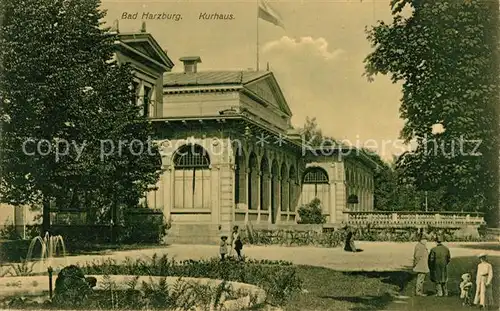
<point x="349" y="243"/>
<point x="484" y="295"/>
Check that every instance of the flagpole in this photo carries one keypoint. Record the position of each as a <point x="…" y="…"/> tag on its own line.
<point x="257" y="25"/>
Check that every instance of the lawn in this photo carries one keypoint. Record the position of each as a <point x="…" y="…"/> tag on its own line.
<point x="327" y="289"/>
<point x="458" y="266"/>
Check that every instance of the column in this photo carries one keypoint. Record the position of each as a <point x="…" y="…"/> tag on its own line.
<point x="278" y="194"/>
<point x="291" y="193"/>
<point x="266" y="191"/>
<point x="284" y="195"/>
<point x="168" y="185"/>
<point x="332" y="203"/>
<point x="367" y="199"/>
<point x="276" y="200"/>
<point x="254" y="179"/>
<point x="215" y="192"/>
<point x="268" y="185"/>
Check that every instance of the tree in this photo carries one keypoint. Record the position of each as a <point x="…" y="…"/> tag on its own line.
<point x="62" y="92"/>
<point x="446" y="55"/>
<point x="313" y="136"/>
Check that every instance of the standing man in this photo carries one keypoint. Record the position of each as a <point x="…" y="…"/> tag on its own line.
<point x="420" y="264"/>
<point x="439" y="258"/>
<point x="484" y="278"/>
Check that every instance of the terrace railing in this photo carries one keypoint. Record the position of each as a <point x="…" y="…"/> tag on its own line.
<point x="388" y="219"/>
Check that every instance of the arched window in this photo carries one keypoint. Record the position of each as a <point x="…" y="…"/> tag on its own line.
<point x="315" y="175"/>
<point x="192" y="177"/>
<point x="315" y="184"/>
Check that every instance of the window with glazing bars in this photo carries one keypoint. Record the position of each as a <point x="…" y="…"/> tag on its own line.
<point x="191" y="157"/>
<point x="315" y="176"/>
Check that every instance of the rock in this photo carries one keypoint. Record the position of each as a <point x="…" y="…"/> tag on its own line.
<point x="72" y="288"/>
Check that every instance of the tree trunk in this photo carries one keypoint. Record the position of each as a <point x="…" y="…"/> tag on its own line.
<point x="45" y="216"/>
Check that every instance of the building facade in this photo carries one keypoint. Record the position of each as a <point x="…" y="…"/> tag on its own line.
<point x="230" y="155"/>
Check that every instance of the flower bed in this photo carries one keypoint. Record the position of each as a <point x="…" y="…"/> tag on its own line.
<point x="278" y="279"/>
<point x="135" y="292"/>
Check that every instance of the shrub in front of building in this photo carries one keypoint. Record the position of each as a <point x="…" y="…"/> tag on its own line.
<point x="311" y="213"/>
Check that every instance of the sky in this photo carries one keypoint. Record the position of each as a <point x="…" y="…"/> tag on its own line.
<point x="317" y="59"/>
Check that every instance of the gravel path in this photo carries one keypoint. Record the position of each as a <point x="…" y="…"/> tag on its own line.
<point x="376" y="256"/>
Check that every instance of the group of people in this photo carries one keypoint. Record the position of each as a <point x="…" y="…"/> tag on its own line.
<point x="436" y="263"/>
<point x="226" y="248"/>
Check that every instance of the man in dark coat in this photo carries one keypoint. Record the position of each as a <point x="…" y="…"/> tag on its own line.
<point x="439" y="258"/>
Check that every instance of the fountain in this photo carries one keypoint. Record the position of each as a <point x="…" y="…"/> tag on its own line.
<point x="49" y="249"/>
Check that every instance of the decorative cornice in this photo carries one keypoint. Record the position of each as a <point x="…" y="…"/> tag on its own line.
<point x="200" y="89"/>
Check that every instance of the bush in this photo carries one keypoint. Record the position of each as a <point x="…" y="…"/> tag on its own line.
<point x="335" y="238"/>
<point x="311" y="213"/>
<point x="9" y="232"/>
<point x="140" y="225"/>
<point x="182" y="295"/>
<point x="143" y="225"/>
<point x="290" y="237"/>
<point x="14" y="251"/>
<point x="279" y="279"/>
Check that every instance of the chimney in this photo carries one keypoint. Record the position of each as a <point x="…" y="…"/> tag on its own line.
<point x="190" y="63"/>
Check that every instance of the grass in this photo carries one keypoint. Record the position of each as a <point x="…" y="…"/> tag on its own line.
<point x="327" y="289"/>
<point x="483" y="246"/>
<point x="457" y="267"/>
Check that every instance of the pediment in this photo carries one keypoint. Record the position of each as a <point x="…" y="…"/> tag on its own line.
<point x="268" y="90"/>
<point x="146" y="49"/>
<point x="145" y="45"/>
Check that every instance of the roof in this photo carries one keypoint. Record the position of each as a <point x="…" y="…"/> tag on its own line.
<point x="144" y="44"/>
<point x="190" y="59"/>
<point x="212" y="78"/>
<point x="345" y="150"/>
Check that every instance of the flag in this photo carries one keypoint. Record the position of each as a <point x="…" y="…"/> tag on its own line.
<point x="269" y="14"/>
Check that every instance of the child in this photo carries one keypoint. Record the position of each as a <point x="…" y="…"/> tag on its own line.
<point x="465" y="288"/>
<point x="223" y="247"/>
<point x="237" y="244"/>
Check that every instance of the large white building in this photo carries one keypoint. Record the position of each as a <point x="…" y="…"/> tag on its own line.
<point x="229" y="152"/>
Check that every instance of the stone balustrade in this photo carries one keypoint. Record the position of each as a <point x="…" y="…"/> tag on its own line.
<point x="387" y="219"/>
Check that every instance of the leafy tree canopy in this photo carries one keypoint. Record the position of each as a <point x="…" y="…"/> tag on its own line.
<point x="445" y="54"/>
<point x="61" y="91"/>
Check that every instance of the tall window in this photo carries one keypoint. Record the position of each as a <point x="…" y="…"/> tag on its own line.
<point x="192" y="177"/>
<point x="315" y="185"/>
<point x="147" y="100"/>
